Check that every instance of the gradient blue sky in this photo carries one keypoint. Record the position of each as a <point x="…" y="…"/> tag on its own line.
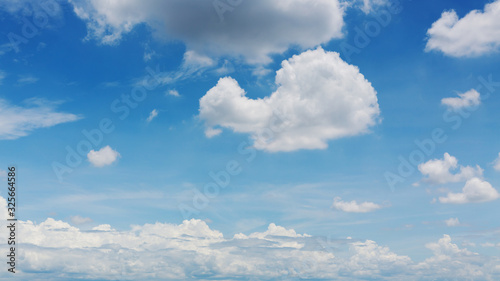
<point x="69" y="68"/>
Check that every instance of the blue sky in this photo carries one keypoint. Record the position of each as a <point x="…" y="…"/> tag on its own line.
<point x="185" y="89"/>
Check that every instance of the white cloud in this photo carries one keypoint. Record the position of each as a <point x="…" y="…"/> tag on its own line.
<point x="496" y="163"/>
<point x="253" y="30"/>
<point x="371" y="5"/>
<point x="152" y="115"/>
<point x="449" y="262"/>
<point x="353" y="206"/>
<point x="438" y="171"/>
<point x="467" y="99"/>
<point x="2" y="76"/>
<point x="27" y="79"/>
<point x="319" y="98"/>
<point x="186" y="251"/>
<point x="103" y="157"/>
<point x="18" y="121"/>
<point x="474" y="191"/>
<point x="452" y="222"/>
<point x="194" y="60"/>
<point x="103" y="227"/>
<point x="272" y="231"/>
<point x="212" y="132"/>
<point x="173" y="92"/>
<point x="477" y="33"/>
<point x="369" y="260"/>
<point x="80" y="220"/>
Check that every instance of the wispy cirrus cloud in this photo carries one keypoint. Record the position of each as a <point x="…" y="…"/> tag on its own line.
<point x="27" y="79"/>
<point x="152" y="115"/>
<point x="18" y="121"/>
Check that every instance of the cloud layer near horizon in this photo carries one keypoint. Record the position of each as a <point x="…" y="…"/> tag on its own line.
<point x="54" y="249"/>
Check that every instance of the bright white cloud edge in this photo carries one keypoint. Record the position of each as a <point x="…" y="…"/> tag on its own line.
<point x="152" y="115"/>
<point x="319" y="98"/>
<point x="475" y="191"/>
<point x="468" y="99"/>
<point x="54" y="249"/>
<point x="473" y="35"/>
<point x="439" y="171"/>
<point x="103" y="157"/>
<point x="353" y="206"/>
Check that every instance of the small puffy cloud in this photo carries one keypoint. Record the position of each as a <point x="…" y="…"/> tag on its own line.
<point x="19" y="121"/>
<point x="212" y="132"/>
<point x="319" y="97"/>
<point x="77" y="220"/>
<point x="103" y="227"/>
<point x="496" y="163"/>
<point x="369" y="6"/>
<point x="172" y="92"/>
<point x="438" y="171"/>
<point x="152" y="115"/>
<point x="477" y="33"/>
<point x="252" y="30"/>
<point x="467" y="99"/>
<point x="103" y="157"/>
<point x="452" y="222"/>
<point x="353" y="206"/>
<point x="276" y="230"/>
<point x="474" y="191"/>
